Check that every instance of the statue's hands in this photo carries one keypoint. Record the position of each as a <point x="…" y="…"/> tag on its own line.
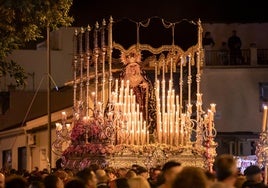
<point x="144" y="85"/>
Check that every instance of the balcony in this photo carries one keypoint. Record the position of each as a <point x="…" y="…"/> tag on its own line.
<point x="250" y="57"/>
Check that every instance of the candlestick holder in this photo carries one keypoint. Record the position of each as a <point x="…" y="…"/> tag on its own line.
<point x="210" y="149"/>
<point x="210" y="152"/>
<point x="63" y="133"/>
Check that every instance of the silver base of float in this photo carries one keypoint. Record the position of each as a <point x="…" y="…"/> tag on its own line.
<point x="124" y="156"/>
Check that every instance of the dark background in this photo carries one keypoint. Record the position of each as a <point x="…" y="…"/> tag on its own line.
<point x="87" y="12"/>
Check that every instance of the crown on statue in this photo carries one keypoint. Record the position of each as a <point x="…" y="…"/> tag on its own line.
<point x="131" y="56"/>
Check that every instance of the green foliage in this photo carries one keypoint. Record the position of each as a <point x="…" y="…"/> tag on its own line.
<point x="25" y="20"/>
<point x="15" y="71"/>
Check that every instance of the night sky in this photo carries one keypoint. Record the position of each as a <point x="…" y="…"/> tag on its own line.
<point x="89" y="11"/>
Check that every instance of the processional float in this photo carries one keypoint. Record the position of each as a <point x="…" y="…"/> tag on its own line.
<point x="146" y="112"/>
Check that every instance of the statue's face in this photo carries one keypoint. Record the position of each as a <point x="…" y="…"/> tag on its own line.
<point x="131" y="58"/>
<point x="133" y="74"/>
<point x="133" y="69"/>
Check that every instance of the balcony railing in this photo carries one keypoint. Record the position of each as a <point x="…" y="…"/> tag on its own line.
<point x="251" y="56"/>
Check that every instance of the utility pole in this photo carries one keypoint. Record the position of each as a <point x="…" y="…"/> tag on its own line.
<point x="48" y="99"/>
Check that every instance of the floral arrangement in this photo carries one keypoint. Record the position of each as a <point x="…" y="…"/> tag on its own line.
<point x="79" y="131"/>
<point x="92" y="137"/>
<point x="95" y="130"/>
<point x="88" y="149"/>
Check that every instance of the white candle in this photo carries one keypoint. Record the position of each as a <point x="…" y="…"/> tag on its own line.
<point x="170" y="85"/>
<point x="63" y="116"/>
<point x="132" y="137"/>
<point x="58" y="126"/>
<point x="213" y="107"/>
<point x="128" y="104"/>
<point x="160" y="133"/>
<point x="142" y="136"/>
<point x="141" y="118"/>
<point x="165" y="132"/>
<point x="171" y="136"/>
<point x="121" y="95"/>
<point x="182" y="128"/>
<point x="210" y="121"/>
<point x="100" y="106"/>
<point x="176" y="134"/>
<point x="125" y="104"/>
<point x="158" y="126"/>
<point x="138" y="137"/>
<point x="147" y="136"/>
<point x="116" y="85"/>
<point x="68" y="126"/>
<point x="122" y="84"/>
<point x="264" y="120"/>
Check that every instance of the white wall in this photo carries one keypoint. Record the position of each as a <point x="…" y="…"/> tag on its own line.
<point x="12" y="143"/>
<point x="35" y="61"/>
<point x="36" y="154"/>
<point x="236" y="94"/>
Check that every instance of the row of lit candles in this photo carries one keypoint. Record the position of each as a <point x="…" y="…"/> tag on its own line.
<point x="173" y="127"/>
<point x="131" y="127"/>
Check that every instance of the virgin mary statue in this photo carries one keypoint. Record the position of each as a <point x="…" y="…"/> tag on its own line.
<point x="141" y="86"/>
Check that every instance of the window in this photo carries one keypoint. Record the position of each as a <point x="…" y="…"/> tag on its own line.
<point x="263" y="87"/>
<point x="7" y="159"/>
<point x="22" y="158"/>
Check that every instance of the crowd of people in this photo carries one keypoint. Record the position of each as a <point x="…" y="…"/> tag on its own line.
<point x="172" y="174"/>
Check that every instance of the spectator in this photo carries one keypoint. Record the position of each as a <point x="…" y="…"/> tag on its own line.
<point x="110" y="172"/>
<point x="2" y="180"/>
<point x="75" y="183"/>
<point x="121" y="172"/>
<point x="36" y="184"/>
<point x="169" y="171"/>
<point x="15" y="181"/>
<point x="88" y="177"/>
<point x="191" y="177"/>
<point x="130" y="174"/>
<point x="62" y="175"/>
<point x="208" y="43"/>
<point x="155" y="172"/>
<point x="58" y="164"/>
<point x="119" y="183"/>
<point x="142" y="171"/>
<point x="239" y="181"/>
<point x="35" y="170"/>
<point x="53" y="181"/>
<point x="211" y="177"/>
<point x="224" y="54"/>
<point x="234" y="44"/>
<point x="138" y="182"/>
<point x="226" y="171"/>
<point x="102" y="178"/>
<point x="254" y="177"/>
